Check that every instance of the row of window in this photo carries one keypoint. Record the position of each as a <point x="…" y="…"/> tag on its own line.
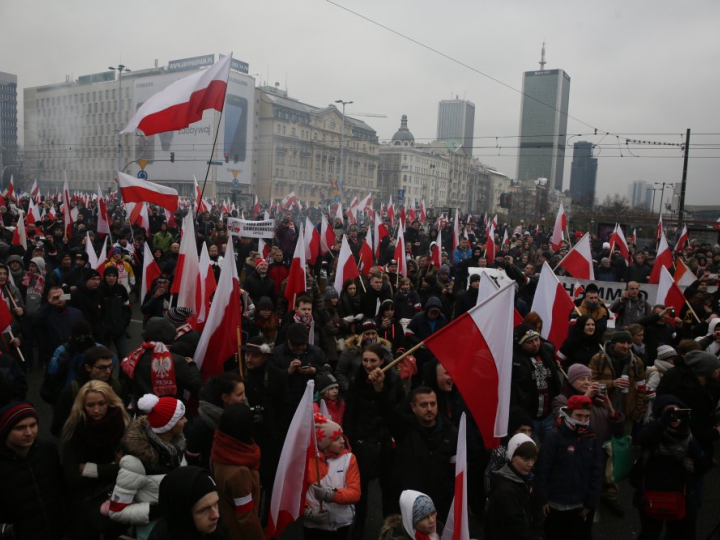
<point x="81" y="97"/>
<point x="281" y="129"/>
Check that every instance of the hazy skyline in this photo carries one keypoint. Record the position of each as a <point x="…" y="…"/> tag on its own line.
<point x="640" y="70"/>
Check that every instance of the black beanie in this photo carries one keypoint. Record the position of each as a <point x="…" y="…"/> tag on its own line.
<point x="237" y="421"/>
<point x="179" y="491"/>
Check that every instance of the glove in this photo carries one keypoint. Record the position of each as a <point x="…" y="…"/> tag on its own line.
<point x="323" y="493"/>
<point x="349" y="319"/>
<point x="359" y="317"/>
<point x="316" y="516"/>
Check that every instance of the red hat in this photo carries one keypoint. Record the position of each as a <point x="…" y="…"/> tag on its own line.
<point x="578" y="402"/>
<point x="326" y="431"/>
<point x="162" y="413"/>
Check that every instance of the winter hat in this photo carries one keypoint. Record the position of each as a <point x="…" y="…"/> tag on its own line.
<point x="666" y="351"/>
<point x="514" y="443"/>
<point x="524" y="332"/>
<point x="297" y="333"/>
<point x="606" y="245"/>
<point x="326" y="431"/>
<point x="90" y="274"/>
<point x="264" y="304"/>
<point x="179" y="490"/>
<point x="369" y="324"/>
<point x="325" y="381"/>
<point x="621" y="336"/>
<point x="237" y="421"/>
<point x="159" y="329"/>
<point x="576" y="371"/>
<point x="576" y="403"/>
<point x="422" y="507"/>
<point x="12" y="414"/>
<point x="178" y="315"/>
<point x="111" y="271"/>
<point x="702" y="363"/>
<point x="331" y="293"/>
<point x="257" y="344"/>
<point x="162" y="413"/>
<point x="474" y="278"/>
<point x="116" y="251"/>
<point x="444" y="269"/>
<point x="518" y="417"/>
<point x="40" y="263"/>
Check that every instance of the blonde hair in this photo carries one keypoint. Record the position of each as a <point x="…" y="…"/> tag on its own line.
<point x="77" y="413"/>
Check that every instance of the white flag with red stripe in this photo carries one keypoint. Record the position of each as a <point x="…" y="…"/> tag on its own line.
<point x="379" y="232"/>
<point x="208" y="285"/>
<point x="327" y="236"/>
<point x="400" y="256"/>
<point x="103" y="222"/>
<point x="617" y="238"/>
<point x="684" y="237"/>
<point x="669" y="294"/>
<point x="366" y="255"/>
<point x="263" y="248"/>
<point x="67" y="214"/>
<point x="199" y="202"/>
<point x="312" y="242"/>
<point x="553" y="304"/>
<point x="20" y="233"/>
<point x="457" y="526"/>
<point x="456" y="234"/>
<point x="34" y="213"/>
<point x="288" y="200"/>
<point x="183" y="102"/>
<point x="296" y="281"/>
<point x="187" y="272"/>
<point x="579" y="261"/>
<point x="391" y="212"/>
<point x="663" y="259"/>
<point x="346" y="266"/>
<point x="35" y="192"/>
<point x="423" y="211"/>
<point x="559" y="228"/>
<point x="489" y="244"/>
<point x="150" y="272"/>
<point x="90" y="250"/>
<point x="103" y="258"/>
<point x="136" y="190"/>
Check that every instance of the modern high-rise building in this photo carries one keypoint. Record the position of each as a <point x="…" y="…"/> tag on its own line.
<point x="543" y="125"/>
<point x="583" y="174"/>
<point x="640" y="194"/>
<point x="456" y="121"/>
<point x="8" y="120"/>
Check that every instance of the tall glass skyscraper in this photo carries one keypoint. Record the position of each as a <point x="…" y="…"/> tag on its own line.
<point x="583" y="174"/>
<point x="8" y="120"/>
<point x="543" y="126"/>
<point x="456" y="121"/>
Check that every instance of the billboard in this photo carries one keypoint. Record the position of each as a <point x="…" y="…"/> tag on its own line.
<point x="195" y="62"/>
<point x="192" y="145"/>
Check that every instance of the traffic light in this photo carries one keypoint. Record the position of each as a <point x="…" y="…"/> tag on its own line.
<point x="236" y="158"/>
<point x="227" y="157"/>
<point x="172" y="157"/>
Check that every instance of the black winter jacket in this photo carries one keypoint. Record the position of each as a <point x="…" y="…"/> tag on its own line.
<point x="524" y="391"/>
<point x="514" y="513"/>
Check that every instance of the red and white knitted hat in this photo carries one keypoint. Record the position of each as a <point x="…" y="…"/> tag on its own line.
<point x="162" y="412"/>
<point x="326" y="431"/>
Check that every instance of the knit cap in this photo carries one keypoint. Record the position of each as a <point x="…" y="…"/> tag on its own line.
<point x="422" y="507"/>
<point x="514" y="443"/>
<point x="162" y="413"/>
<point x="576" y="371"/>
<point x="325" y="381"/>
<point x="178" y="315"/>
<point x="525" y="332"/>
<point x="326" y="431"/>
<point x="702" y="363"/>
<point x="666" y="351"/>
<point x="330" y="293"/>
<point x="576" y="403"/>
<point x="12" y="414"/>
<point x="621" y="336"/>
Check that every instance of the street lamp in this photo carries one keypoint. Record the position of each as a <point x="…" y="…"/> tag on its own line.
<point x="342" y="145"/>
<point x="120" y="68"/>
<point x="662" y="192"/>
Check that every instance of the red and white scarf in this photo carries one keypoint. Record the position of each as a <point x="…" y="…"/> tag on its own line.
<point x="162" y="367"/>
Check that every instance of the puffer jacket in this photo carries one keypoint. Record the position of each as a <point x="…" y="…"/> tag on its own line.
<point x="604" y="373"/>
<point x="351" y="360"/>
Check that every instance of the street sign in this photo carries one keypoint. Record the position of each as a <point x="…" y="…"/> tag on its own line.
<point x="142" y="175"/>
<point x="236" y="183"/>
<point x="401" y="193"/>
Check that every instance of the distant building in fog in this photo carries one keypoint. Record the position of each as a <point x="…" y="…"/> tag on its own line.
<point x="8" y="120"/>
<point x="583" y="174"/>
<point x="456" y="121"/>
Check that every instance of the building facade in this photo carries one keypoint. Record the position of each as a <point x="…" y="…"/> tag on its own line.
<point x="640" y="194"/>
<point x="583" y="175"/>
<point x="8" y="121"/>
<point x="543" y="126"/>
<point x="456" y="121"/>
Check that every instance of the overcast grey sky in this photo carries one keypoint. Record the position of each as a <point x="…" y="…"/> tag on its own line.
<point x="636" y="67"/>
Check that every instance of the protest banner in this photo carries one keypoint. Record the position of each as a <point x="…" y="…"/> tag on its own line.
<point x="251" y="229"/>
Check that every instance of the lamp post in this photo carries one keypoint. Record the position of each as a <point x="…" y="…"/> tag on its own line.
<point x="662" y="193"/>
<point x="342" y="145"/>
<point x="120" y="68"/>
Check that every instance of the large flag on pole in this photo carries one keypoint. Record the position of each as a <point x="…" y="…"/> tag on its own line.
<point x="400" y="256"/>
<point x="617" y="238"/>
<point x="669" y="294"/>
<point x="476" y="349"/>
<point x="327" y="236"/>
<point x="187" y="272"/>
<point x="560" y="226"/>
<point x="663" y="259"/>
<point x="219" y="339"/>
<point x="296" y="281"/>
<point x="67" y="214"/>
<point x="207" y="286"/>
<point x="183" y="102"/>
<point x="684" y="277"/>
<point x="684" y="237"/>
<point x="346" y="266"/>
<point x="579" y="261"/>
<point x="136" y="190"/>
<point x="312" y="242"/>
<point x="553" y="304"/>
<point x="103" y="222"/>
<point x="379" y="232"/>
<point x="150" y="272"/>
<point x="288" y="494"/>
<point x="456" y="524"/>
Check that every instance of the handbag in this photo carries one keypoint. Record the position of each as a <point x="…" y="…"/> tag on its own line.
<point x="93" y="505"/>
<point x="620" y="460"/>
<point x="664" y="505"/>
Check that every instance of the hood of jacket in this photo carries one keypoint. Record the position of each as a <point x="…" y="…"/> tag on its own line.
<point x="506" y="472"/>
<point x="353" y="342"/>
<point x="433" y="302"/>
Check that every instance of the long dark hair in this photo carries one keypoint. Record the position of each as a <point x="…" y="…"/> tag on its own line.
<point x="578" y="331"/>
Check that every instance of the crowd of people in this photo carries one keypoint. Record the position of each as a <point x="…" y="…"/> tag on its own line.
<point x="146" y="447"/>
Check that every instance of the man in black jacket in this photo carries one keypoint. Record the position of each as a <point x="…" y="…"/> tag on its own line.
<point x="259" y="283"/>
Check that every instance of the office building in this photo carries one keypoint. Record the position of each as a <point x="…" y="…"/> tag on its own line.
<point x="640" y="194"/>
<point x="583" y="175"/>
<point x="543" y="125"/>
<point x="8" y="120"/>
<point x="456" y="121"/>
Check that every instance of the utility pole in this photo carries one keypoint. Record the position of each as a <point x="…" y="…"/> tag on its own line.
<point x="683" y="185"/>
<point x="342" y="145"/>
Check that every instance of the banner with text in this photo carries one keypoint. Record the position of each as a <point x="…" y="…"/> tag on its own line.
<point x="251" y="229"/>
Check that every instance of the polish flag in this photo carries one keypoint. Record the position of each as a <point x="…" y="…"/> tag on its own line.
<point x="379" y="232"/>
<point x="684" y="277"/>
<point x="339" y="213"/>
<point x="34" y="214"/>
<point x="633" y="238"/>
<point x="663" y="259"/>
<point x="456" y="233"/>
<point x="366" y="203"/>
<point x="476" y="349"/>
<point x="199" y="203"/>
<point x="560" y="226"/>
<point x="138" y="214"/>
<point x="402" y="215"/>
<point x="347" y="268"/>
<point x="183" y="102"/>
<point x="19" y="237"/>
<point x="659" y="230"/>
<point x="459" y="507"/>
<point x="423" y="212"/>
<point x="288" y="200"/>
<point x="505" y="239"/>
<point x="391" y="212"/>
<point x="487" y="288"/>
<point x="578" y="290"/>
<point x="489" y="245"/>
<point x="400" y="256"/>
<point x="256" y="207"/>
<point x="436" y="252"/>
<point x="136" y="190"/>
<point x="103" y="222"/>
<point x="263" y="248"/>
<point x="220" y="337"/>
<point x="312" y="242"/>
<point x="207" y="286"/>
<point x="669" y="294"/>
<point x="327" y="236"/>
<point x="170" y="219"/>
<point x="103" y="258"/>
<point x="90" y="250"/>
<point x="411" y="214"/>
<point x="578" y="261"/>
<point x="150" y="272"/>
<point x="684" y="237"/>
<point x="296" y="283"/>
<point x="617" y="238"/>
<point x="35" y="192"/>
<point x="366" y="255"/>
<point x="11" y="188"/>
<point x="67" y="215"/>
<point x="187" y="272"/>
<point x="299" y="449"/>
<point x="354" y="203"/>
<point x="553" y="304"/>
<point x="352" y="218"/>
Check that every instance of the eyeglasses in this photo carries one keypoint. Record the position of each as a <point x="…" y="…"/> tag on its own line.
<point x="104" y="368"/>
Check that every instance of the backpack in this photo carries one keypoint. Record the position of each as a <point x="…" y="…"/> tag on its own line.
<point x="53" y="383"/>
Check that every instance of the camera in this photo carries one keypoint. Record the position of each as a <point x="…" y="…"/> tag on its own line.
<point x="602" y="388"/>
<point x="680" y="414"/>
<point x="258" y="412"/>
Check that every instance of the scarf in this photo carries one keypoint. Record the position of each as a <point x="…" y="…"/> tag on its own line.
<point x="303" y="319"/>
<point x="639" y="349"/>
<point x="162" y="367"/>
<point x="38" y="285"/>
<point x="107" y="431"/>
<point x="174" y="448"/>
<point x="674" y="444"/>
<point x="182" y="330"/>
<point x="230" y="451"/>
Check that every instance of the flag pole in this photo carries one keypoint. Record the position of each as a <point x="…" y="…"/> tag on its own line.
<point x="239" y="346"/>
<point x="15" y="306"/>
<point x="689" y="307"/>
<point x="402" y="356"/>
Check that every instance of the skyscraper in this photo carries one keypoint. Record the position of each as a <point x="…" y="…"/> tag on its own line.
<point x="640" y="194"/>
<point x="8" y="120"/>
<point x="456" y="120"/>
<point x="543" y="125"/>
<point x="583" y="174"/>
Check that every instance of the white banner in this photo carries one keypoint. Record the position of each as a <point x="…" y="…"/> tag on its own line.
<point x="251" y="229"/>
<point x="610" y="291"/>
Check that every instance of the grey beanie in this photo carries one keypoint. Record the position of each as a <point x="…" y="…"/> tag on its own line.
<point x="702" y="363"/>
<point x="159" y="329"/>
<point x="330" y="293"/>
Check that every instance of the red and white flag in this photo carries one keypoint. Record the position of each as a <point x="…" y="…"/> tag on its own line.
<point x="684" y="277"/>
<point x="187" y="272"/>
<point x="578" y="262"/>
<point x="489" y="245"/>
<point x="423" y="211"/>
<point x="327" y="236"/>
<point x="256" y="207"/>
<point x="136" y="190"/>
<point x="663" y="259"/>
<point x="391" y="212"/>
<point x="103" y="258"/>
<point x="659" y="230"/>
<point x="90" y="250"/>
<point x="288" y="495"/>
<point x="633" y="238"/>
<point x="339" y="212"/>
<point x="457" y="526"/>
<point x="219" y="339"/>
<point x="553" y="304"/>
<point x="312" y="242"/>
<point x="150" y="272"/>
<point x="366" y="203"/>
<point x="560" y="226"/>
<point x="684" y="237"/>
<point x="379" y="232"/>
<point x="505" y="239"/>
<point x="103" y="221"/>
<point x="476" y="350"/>
<point x="578" y="290"/>
<point x="67" y="214"/>
<point x="199" y="202"/>
<point x="366" y="255"/>
<point x="456" y="234"/>
<point x="34" y="213"/>
<point x="207" y="286"/>
<point x="617" y="238"/>
<point x="20" y="233"/>
<point x="11" y="188"/>
<point x="183" y="102"/>
<point x="296" y="283"/>
<point x="400" y="256"/>
<point x="263" y="248"/>
<point x="138" y="214"/>
<point x="346" y="266"/>
<point x="35" y="192"/>
<point x="669" y="294"/>
<point x="288" y="200"/>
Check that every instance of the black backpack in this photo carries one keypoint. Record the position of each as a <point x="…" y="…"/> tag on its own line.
<point x="53" y="384"/>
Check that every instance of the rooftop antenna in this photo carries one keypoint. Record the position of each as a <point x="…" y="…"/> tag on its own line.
<point x="542" y="58"/>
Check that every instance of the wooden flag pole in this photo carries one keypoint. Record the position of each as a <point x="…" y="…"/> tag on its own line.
<point x="402" y="356"/>
<point x="15" y="306"/>
<point x="239" y="350"/>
